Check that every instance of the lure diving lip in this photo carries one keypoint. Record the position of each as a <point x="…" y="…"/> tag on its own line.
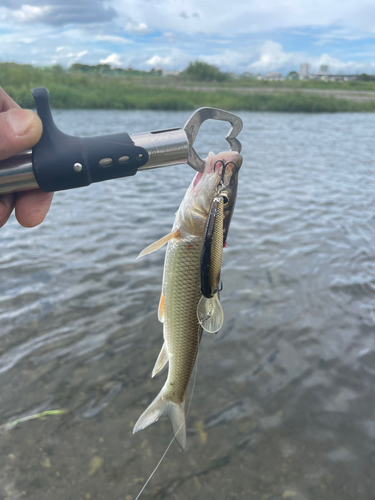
<point x="60" y="161"/>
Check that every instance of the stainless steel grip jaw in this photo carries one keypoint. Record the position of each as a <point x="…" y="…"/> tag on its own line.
<point x="60" y="161"/>
<point x="194" y="123"/>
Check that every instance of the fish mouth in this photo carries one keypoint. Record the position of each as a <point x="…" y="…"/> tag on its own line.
<point x="228" y="181"/>
<point x="226" y="167"/>
<point x="225" y="157"/>
<point x="231" y="158"/>
<point x="237" y="159"/>
<point x="227" y="170"/>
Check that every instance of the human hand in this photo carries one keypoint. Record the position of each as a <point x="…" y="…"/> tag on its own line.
<point x="20" y="129"/>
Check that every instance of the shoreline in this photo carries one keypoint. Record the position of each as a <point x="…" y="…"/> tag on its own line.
<point x="76" y="90"/>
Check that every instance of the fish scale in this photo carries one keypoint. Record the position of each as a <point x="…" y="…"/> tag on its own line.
<point x="181" y="327"/>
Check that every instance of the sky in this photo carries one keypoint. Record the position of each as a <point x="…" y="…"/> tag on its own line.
<point x="256" y="36"/>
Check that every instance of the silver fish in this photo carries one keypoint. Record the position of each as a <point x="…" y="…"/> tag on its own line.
<point x="181" y="291"/>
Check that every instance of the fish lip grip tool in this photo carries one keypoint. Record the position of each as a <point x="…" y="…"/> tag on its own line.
<point x="60" y="161"/>
<point x="194" y="123"/>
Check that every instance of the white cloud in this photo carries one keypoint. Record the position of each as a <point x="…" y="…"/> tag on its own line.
<point x="229" y="60"/>
<point x="339" y="33"/>
<point x="30" y="12"/>
<point x="139" y="29"/>
<point x="64" y="55"/>
<point x="113" y="60"/>
<point x="81" y="54"/>
<point x="159" y="62"/>
<point x="112" y="39"/>
<point x="15" y="39"/>
<point x="271" y="56"/>
<point x="176" y="59"/>
<point x="170" y="36"/>
<point x="258" y="16"/>
<point x="27" y="40"/>
<point x="338" y="66"/>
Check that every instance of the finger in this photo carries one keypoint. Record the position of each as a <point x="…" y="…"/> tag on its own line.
<point x="32" y="207"/>
<point x="20" y="129"/>
<point x="6" y="207"/>
<point x="6" y="102"/>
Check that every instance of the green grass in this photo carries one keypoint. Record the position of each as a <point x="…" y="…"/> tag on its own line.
<point x="40" y="416"/>
<point x="355" y="85"/>
<point x="146" y="91"/>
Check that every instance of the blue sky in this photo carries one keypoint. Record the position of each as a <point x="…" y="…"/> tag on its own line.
<point x="255" y="36"/>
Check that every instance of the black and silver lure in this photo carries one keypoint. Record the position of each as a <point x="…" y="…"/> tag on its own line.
<point x="209" y="310"/>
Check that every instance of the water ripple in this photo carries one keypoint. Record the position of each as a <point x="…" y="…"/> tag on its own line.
<point x="284" y="393"/>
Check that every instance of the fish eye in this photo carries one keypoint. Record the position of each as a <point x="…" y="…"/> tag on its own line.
<point x="225" y="197"/>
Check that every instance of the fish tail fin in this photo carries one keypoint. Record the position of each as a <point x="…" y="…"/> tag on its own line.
<point x="161" y="407"/>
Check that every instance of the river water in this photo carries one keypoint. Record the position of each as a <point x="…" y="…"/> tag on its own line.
<point x="284" y="401"/>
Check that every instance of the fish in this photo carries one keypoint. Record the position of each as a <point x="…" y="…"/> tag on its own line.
<point x="181" y="289"/>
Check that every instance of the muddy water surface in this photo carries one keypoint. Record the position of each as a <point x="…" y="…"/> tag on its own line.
<point x="284" y="402"/>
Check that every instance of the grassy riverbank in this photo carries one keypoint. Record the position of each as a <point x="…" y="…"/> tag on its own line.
<point x="140" y="90"/>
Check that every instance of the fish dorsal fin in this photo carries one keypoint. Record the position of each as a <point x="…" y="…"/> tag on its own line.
<point x="161" y="361"/>
<point x="158" y="244"/>
<point x="161" y="308"/>
<point x="210" y="314"/>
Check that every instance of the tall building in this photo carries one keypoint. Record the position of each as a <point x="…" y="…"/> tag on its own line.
<point x="323" y="68"/>
<point x="304" y="70"/>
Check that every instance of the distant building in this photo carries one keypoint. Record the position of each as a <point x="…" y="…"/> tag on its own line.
<point x="304" y="71"/>
<point x="327" y="77"/>
<point x="274" y="76"/>
<point x="323" y="74"/>
<point x="247" y="74"/>
<point x="170" y="73"/>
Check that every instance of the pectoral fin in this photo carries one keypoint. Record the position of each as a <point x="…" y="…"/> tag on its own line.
<point x="158" y="244"/>
<point x="161" y="308"/>
<point x="210" y="314"/>
<point x="161" y="361"/>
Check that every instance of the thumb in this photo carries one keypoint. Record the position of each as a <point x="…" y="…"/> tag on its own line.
<point x="20" y="129"/>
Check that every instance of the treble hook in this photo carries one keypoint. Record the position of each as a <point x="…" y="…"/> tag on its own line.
<point x="233" y="163"/>
<point x="224" y="165"/>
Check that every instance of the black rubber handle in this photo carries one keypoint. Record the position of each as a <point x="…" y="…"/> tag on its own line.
<point x="62" y="161"/>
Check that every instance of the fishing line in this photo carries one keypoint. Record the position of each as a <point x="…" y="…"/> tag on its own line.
<point x="174" y="437"/>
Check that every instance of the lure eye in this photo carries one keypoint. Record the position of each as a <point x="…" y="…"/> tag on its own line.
<point x="225" y="198"/>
